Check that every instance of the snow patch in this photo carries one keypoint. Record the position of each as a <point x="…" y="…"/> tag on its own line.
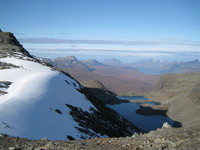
<point x="34" y="95"/>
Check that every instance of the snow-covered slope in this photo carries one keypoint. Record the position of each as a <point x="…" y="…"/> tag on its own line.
<point x="35" y="103"/>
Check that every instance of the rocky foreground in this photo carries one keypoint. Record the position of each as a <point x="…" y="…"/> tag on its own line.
<point x="166" y="138"/>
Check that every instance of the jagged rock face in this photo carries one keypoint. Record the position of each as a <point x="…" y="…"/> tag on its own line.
<point x="38" y="101"/>
<point x="9" y="44"/>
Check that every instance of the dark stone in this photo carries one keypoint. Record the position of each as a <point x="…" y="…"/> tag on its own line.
<point x="177" y="124"/>
<point x="67" y="82"/>
<point x="7" y="66"/>
<point x="5" y="84"/>
<point x="9" y="44"/>
<point x="70" y="138"/>
<point x="58" y="111"/>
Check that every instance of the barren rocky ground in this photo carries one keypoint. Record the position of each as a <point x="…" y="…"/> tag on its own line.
<point x="166" y="138"/>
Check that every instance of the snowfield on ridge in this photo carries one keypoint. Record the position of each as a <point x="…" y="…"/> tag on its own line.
<point x="34" y="105"/>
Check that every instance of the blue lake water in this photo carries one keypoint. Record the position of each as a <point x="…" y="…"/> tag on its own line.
<point x="147" y="123"/>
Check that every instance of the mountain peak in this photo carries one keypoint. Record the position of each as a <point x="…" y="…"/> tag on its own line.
<point x="112" y="61"/>
<point x="91" y="62"/>
<point x="67" y="58"/>
<point x="71" y="57"/>
<point x="10" y="45"/>
<point x="196" y="61"/>
<point x="69" y="62"/>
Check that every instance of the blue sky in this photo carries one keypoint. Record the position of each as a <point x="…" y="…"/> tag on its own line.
<point x="127" y="29"/>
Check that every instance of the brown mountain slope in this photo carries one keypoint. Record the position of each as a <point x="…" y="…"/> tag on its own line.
<point x="119" y="83"/>
<point x="182" y="92"/>
<point x="117" y="78"/>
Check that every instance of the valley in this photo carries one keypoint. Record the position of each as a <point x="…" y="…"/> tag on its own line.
<point x="72" y="100"/>
<point x="100" y="75"/>
<point x="119" y="79"/>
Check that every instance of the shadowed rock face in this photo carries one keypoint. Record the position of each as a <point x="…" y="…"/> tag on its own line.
<point x="113" y="125"/>
<point x="9" y="44"/>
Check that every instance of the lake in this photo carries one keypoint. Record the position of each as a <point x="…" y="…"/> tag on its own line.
<point x="146" y="123"/>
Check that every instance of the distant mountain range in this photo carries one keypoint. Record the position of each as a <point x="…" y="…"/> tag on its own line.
<point x="112" y="61"/>
<point x="152" y="66"/>
<point x="92" y="62"/>
<point x="117" y="78"/>
<point x="122" y="77"/>
<point x="180" y="67"/>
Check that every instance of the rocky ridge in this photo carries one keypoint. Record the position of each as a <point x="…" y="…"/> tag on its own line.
<point x="10" y="45"/>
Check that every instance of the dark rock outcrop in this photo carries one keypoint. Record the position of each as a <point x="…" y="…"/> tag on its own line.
<point x="7" y="66"/>
<point x="9" y="44"/>
<point x="4" y="85"/>
<point x="112" y="124"/>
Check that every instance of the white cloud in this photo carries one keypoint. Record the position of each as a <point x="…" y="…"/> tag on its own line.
<point x="100" y="52"/>
<point x="109" y="42"/>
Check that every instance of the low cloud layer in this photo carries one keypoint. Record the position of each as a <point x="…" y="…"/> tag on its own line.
<point x="127" y="56"/>
<point x="107" y="42"/>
